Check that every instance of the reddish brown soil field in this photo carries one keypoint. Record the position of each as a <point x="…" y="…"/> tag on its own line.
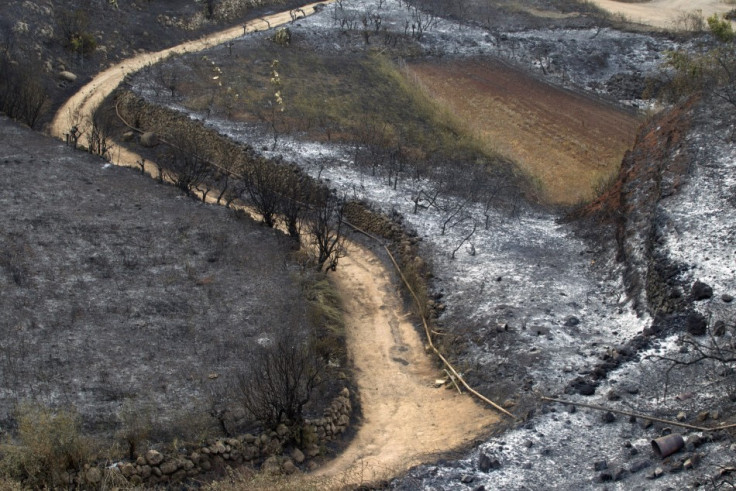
<point x="568" y="144"/>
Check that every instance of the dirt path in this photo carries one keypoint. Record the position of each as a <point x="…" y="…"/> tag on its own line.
<point x="662" y="13"/>
<point x="406" y="420"/>
<point x="77" y="110"/>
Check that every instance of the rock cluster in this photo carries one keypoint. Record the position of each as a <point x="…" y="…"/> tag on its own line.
<point x="154" y="467"/>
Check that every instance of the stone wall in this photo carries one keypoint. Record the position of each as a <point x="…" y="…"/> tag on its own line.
<point x="277" y="451"/>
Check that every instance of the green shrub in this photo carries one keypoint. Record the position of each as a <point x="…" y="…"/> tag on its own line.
<point x="48" y="446"/>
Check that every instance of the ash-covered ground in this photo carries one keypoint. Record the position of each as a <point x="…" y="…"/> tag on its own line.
<point x="537" y="306"/>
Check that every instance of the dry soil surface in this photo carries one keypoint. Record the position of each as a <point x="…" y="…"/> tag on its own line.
<point x="406" y="419"/>
<point x="662" y="13"/>
<point x="569" y="143"/>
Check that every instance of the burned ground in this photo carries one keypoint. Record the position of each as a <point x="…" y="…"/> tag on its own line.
<point x="120" y="292"/>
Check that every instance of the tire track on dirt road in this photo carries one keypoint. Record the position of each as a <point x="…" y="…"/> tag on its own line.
<point x="406" y="419"/>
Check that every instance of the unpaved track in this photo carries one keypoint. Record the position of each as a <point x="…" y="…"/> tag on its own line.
<point x="662" y="13"/>
<point x="406" y="420"/>
<point x="77" y="110"/>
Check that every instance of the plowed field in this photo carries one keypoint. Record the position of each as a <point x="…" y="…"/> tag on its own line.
<point x="568" y="144"/>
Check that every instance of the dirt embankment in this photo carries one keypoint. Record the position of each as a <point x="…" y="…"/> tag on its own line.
<point x="655" y="168"/>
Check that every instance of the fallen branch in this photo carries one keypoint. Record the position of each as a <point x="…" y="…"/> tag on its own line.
<point x="638" y="415"/>
<point x="426" y="326"/>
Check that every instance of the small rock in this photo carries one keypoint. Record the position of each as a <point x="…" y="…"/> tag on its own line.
<point x="608" y="417"/>
<point x="702" y="416"/>
<point x="572" y="321"/>
<point x="688" y="464"/>
<point x="93" y="475"/>
<point x="605" y="476"/>
<point x="620" y="474"/>
<point x="169" y="467"/>
<point x="297" y="455"/>
<point x="638" y="465"/>
<point x="312" y="450"/>
<point x="719" y="328"/>
<point x="149" y="139"/>
<point x="600" y="465"/>
<point x="467" y="479"/>
<point x="288" y="467"/>
<point x="696" y="324"/>
<point x="613" y="395"/>
<point x="67" y="76"/>
<point x="715" y="414"/>
<point x="727" y="298"/>
<point x="656" y="474"/>
<point x="701" y="291"/>
<point x="486" y="463"/>
<point x="681" y="416"/>
<point x="154" y="457"/>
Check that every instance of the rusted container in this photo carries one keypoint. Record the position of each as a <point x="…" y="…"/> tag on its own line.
<point x="667" y="445"/>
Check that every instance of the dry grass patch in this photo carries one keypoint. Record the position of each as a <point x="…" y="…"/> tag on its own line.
<point x="566" y="143"/>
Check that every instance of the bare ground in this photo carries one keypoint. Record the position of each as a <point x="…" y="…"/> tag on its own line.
<point x="568" y="143"/>
<point x="405" y="419"/>
<point x="662" y="13"/>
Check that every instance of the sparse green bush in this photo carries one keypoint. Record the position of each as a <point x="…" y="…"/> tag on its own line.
<point x="73" y="31"/>
<point x="721" y="28"/>
<point x="710" y="71"/>
<point x="49" y="445"/>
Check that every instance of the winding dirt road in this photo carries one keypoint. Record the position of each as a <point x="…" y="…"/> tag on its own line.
<point x="662" y="13"/>
<point x="406" y="420"/>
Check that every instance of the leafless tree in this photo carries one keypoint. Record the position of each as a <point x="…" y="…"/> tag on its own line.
<point x="260" y="183"/>
<point x="326" y="224"/>
<point x="187" y="165"/>
<point x="280" y="381"/>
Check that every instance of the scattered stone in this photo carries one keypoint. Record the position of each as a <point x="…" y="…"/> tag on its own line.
<point x="608" y="417"/>
<point x="312" y="450"/>
<point x="572" y="321"/>
<point x="467" y="479"/>
<point x="600" y="465"/>
<point x="613" y="395"/>
<point x="701" y="291"/>
<point x="727" y="298"/>
<point x="702" y="416"/>
<point x="715" y="414"/>
<point x="638" y="465"/>
<point x="688" y="464"/>
<point x="681" y="416"/>
<point x="656" y="473"/>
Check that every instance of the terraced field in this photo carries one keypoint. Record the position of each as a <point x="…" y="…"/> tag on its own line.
<point x="568" y="143"/>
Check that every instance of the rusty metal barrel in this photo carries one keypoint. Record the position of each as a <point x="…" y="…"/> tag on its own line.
<point x="667" y="445"/>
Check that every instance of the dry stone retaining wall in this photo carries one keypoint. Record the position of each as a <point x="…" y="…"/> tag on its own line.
<point x="154" y="467"/>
